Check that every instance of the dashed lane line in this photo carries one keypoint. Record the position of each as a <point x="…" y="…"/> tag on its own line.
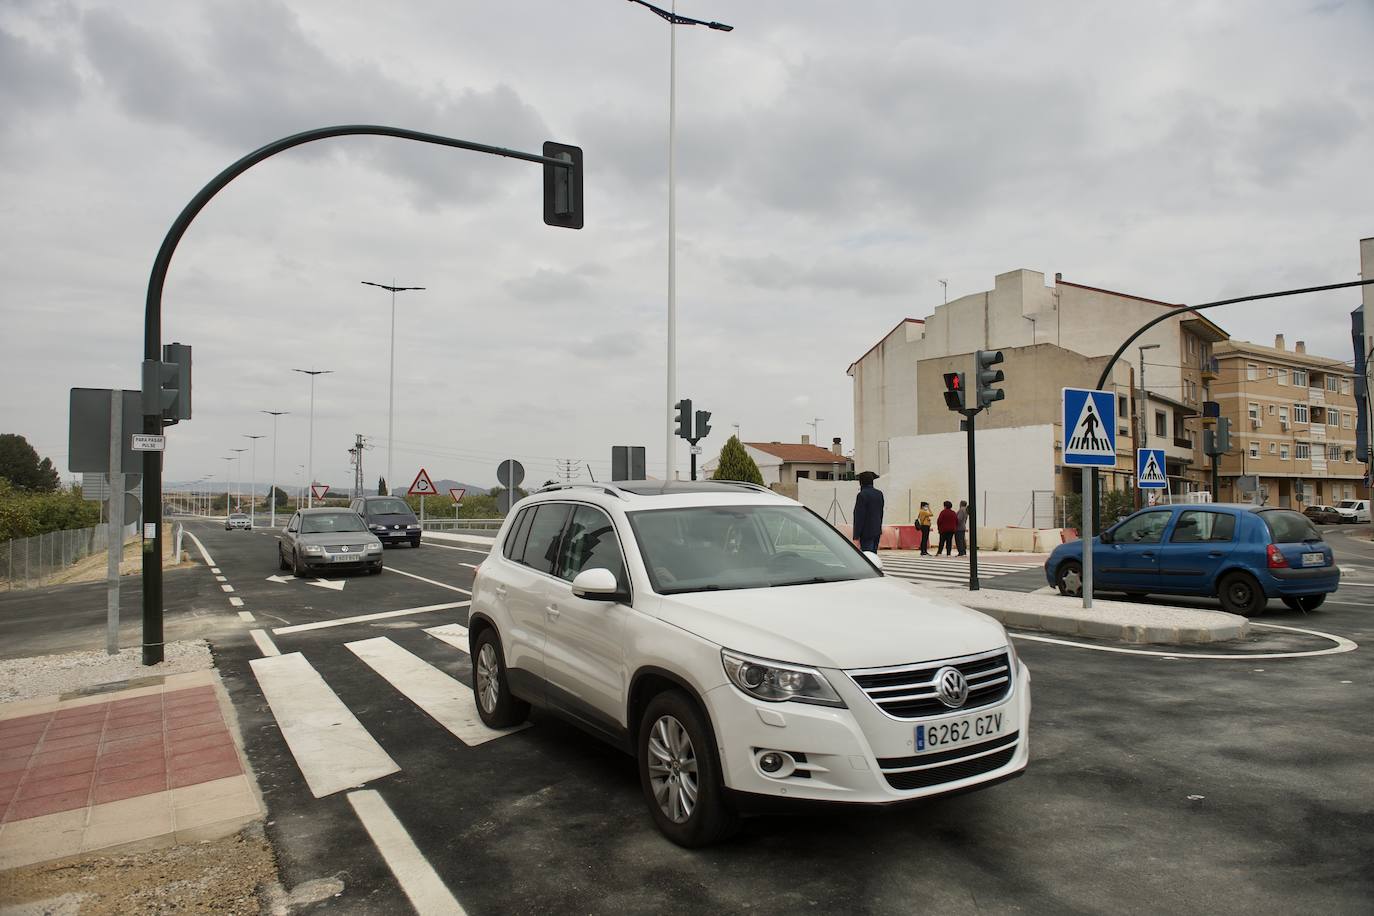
<point x="421" y="883"/>
<point x="1342" y="645"/>
<point x="221" y="579"/>
<point x="332" y="748"/>
<point x="363" y="618"/>
<point x="447" y="700"/>
<point x="227" y="587"/>
<point x="236" y="601"/>
<point x="452" y="588"/>
<point x="265" y="644"/>
<point x="246" y="617"/>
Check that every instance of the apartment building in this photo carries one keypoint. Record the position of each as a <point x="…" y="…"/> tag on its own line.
<point x="1053" y="336"/>
<point x="1293" y="416"/>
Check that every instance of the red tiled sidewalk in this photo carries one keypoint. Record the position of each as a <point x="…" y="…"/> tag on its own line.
<point x="104" y="752"/>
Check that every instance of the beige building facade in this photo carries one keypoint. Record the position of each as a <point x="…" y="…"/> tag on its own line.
<point x="1293" y="417"/>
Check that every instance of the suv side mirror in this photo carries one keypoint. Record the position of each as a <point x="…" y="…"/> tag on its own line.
<point x="596" y="585"/>
<point x="1106" y="536"/>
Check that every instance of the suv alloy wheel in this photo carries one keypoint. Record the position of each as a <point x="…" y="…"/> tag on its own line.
<point x="495" y="704"/>
<point x="680" y="773"/>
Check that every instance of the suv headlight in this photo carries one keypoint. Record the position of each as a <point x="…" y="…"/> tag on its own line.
<point x="778" y="682"/>
<point x="413" y="527"/>
<point x="1011" y="657"/>
<point x="314" y="549"/>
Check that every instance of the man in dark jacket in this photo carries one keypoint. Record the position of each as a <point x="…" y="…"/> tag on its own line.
<point x="868" y="513"/>
<point x="946" y="522"/>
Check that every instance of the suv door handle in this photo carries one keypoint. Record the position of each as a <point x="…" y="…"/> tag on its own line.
<point x="1215" y="555"/>
<point x="500" y="591"/>
<point x="1148" y="553"/>
<point x="553" y="610"/>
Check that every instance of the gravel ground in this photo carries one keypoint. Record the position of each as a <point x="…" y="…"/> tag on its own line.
<point x="235" y="875"/>
<point x="45" y="675"/>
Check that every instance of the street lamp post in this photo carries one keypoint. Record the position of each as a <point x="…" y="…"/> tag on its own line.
<point x="272" y="496"/>
<point x="672" y="18"/>
<point x="238" y="475"/>
<point x="310" y="449"/>
<point x="1142" y="421"/>
<point x="227" y="499"/>
<point x="391" y="386"/>
<point x="253" y="483"/>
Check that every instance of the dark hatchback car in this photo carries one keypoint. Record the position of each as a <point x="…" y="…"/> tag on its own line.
<point x="1323" y="515"/>
<point x="389" y="518"/>
<point x="1241" y="554"/>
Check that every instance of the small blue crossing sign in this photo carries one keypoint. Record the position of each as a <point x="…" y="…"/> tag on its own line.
<point x="1089" y="427"/>
<point x="1149" y="469"/>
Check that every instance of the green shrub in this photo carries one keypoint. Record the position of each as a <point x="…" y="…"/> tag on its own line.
<point x="25" y="515"/>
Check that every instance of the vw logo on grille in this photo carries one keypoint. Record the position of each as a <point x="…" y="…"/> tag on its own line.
<point x="950" y="687"/>
<point x="345" y="548"/>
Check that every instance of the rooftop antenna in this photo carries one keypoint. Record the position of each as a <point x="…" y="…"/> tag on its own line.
<point x="945" y="284"/>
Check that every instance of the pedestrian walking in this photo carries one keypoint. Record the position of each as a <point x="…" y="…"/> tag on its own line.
<point x="961" y="528"/>
<point x="946" y="522"/>
<point x="923" y="526"/>
<point x="868" y="513"/>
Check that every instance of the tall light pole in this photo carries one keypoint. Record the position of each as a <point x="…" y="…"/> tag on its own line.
<point x="238" y="474"/>
<point x="672" y="18"/>
<point x="272" y="496"/>
<point x="253" y="482"/>
<point x="391" y="387"/>
<point x="310" y="449"/>
<point x="228" y="508"/>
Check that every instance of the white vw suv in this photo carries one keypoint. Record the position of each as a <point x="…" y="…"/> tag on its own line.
<point x="743" y="650"/>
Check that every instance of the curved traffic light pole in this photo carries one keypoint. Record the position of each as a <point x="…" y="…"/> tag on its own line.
<point x="152" y="332"/>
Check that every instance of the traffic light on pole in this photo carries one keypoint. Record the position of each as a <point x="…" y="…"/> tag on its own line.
<point x="684" y="418"/>
<point x="563" y="186"/>
<point x="985" y="376"/>
<point x="954" y="390"/>
<point x="1223" y="441"/>
<point x="167" y="384"/>
<point x="703" y="424"/>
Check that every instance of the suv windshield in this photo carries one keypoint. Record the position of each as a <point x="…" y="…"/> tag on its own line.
<point x="332" y="521"/>
<point x="1287" y="527"/>
<point x="389" y="506"/>
<point x="711" y="548"/>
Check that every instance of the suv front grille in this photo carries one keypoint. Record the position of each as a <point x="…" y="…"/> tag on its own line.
<point x="908" y="691"/>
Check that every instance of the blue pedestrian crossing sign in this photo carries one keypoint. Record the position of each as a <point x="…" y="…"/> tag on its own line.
<point x="1149" y="469"/>
<point x="1089" y="427"/>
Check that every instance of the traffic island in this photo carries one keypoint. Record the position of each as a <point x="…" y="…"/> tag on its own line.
<point x="1123" y="621"/>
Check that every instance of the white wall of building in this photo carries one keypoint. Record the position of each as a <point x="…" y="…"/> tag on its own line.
<point x="833" y="500"/>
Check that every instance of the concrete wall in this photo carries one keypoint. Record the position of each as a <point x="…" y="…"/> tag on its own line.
<point x="833" y="500"/>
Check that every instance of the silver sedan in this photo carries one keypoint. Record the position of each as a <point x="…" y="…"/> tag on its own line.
<point x="333" y="539"/>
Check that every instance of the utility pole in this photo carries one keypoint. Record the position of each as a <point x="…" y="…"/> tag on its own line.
<point x="568" y="468"/>
<point x="359" y="444"/>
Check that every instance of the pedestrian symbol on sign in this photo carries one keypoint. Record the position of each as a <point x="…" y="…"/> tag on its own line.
<point x="1089" y="419"/>
<point x="1149" y="471"/>
<point x="1086" y="437"/>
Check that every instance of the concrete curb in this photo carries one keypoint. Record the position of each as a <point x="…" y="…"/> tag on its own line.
<point x="1122" y="621"/>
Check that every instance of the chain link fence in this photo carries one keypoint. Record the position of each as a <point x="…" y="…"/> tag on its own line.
<point x="35" y="561"/>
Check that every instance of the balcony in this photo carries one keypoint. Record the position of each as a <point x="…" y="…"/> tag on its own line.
<point x="1316" y="397"/>
<point x="1183" y="443"/>
<point x="1210" y="369"/>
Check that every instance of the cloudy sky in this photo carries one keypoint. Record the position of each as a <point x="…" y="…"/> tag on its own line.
<point x="835" y="160"/>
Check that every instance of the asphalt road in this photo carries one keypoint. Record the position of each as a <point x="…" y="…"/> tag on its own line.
<point x="1157" y="784"/>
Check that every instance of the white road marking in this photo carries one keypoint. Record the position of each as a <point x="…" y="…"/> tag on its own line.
<point x="209" y="561"/>
<point x="220" y="579"/>
<point x="214" y="569"/>
<point x="452" y="588"/>
<point x="331" y="747"/>
<point x="227" y="588"/>
<point x="1342" y="645"/>
<point x="246" y="617"/>
<point x="265" y="644"/>
<point x="451" y="547"/>
<point x="447" y="700"/>
<point x="413" y="872"/>
<point x="236" y="602"/>
<point x="280" y="579"/>
<point x="455" y="634"/>
<point x="382" y="615"/>
<point x="334" y="584"/>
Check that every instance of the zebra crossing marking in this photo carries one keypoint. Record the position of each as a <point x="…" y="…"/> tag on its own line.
<point x="455" y="634"/>
<point x="332" y="748"/>
<point x="447" y="700"/>
<point x="363" y="618"/>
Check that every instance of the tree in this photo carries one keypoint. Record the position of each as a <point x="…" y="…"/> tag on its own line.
<point x="19" y="465"/>
<point x="381" y="486"/>
<point x="735" y="464"/>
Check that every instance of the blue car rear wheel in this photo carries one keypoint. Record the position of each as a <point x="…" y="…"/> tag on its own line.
<point x="1241" y="594"/>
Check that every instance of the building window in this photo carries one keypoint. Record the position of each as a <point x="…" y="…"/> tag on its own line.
<point x="1349" y="492"/>
<point x="1274" y="448"/>
<point x="1333" y="383"/>
<point x="1300" y="378"/>
<point x="1283" y="416"/>
<point x="1269" y="371"/>
<point x="1333" y="417"/>
<point x="1333" y="453"/>
<point x="1303" y="450"/>
<point x="1345" y="386"/>
<point x="1161" y="423"/>
<point x="803" y="475"/>
<point x="1254" y="412"/>
<point x="1349" y="455"/>
<point x="1254" y="449"/>
<point x="1299" y="413"/>
<point x="1271" y="410"/>
<point x="1251" y="372"/>
<point x="1283" y="452"/>
<point x="1345" y="420"/>
<point x="1283" y="376"/>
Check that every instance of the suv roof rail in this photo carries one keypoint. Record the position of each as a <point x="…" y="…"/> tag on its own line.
<point x="606" y="488"/>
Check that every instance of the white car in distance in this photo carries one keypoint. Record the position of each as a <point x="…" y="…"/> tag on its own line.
<point x="743" y="650"/>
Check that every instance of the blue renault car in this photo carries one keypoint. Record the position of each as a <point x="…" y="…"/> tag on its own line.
<point x="1242" y="554"/>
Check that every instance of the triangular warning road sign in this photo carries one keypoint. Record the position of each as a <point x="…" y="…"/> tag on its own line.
<point x="319" y="490"/>
<point x="457" y="494"/>
<point x="422" y="486"/>
<point x="1090" y="435"/>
